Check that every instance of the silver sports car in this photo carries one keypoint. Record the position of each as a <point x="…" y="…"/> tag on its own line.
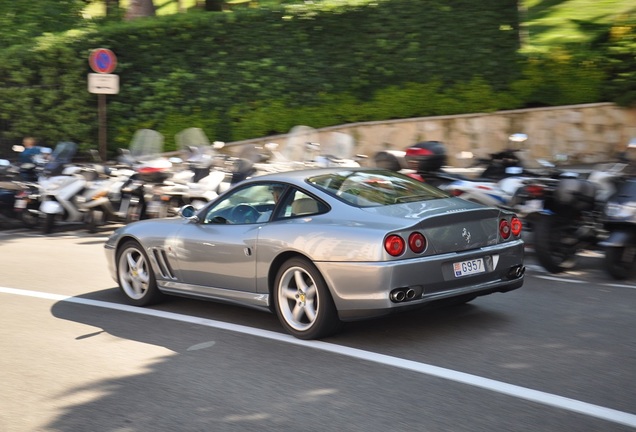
<point x="320" y="247"/>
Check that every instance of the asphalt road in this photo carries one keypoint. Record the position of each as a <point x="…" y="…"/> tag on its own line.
<point x="558" y="354"/>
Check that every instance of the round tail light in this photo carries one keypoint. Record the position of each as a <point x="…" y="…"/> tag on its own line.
<point x="417" y="242"/>
<point x="394" y="245"/>
<point x="504" y="228"/>
<point x="515" y="226"/>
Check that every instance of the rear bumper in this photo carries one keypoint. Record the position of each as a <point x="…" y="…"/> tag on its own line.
<point x="363" y="290"/>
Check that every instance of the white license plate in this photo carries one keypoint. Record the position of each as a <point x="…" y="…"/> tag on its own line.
<point x="20" y="204"/>
<point x="469" y="267"/>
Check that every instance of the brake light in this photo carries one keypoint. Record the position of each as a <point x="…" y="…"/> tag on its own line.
<point x="417" y="242"/>
<point x="504" y="229"/>
<point x="516" y="226"/>
<point x="394" y="245"/>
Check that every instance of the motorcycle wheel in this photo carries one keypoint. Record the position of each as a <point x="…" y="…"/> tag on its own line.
<point x="134" y="212"/>
<point x="555" y="249"/>
<point x="29" y="219"/>
<point x="90" y="220"/>
<point x="49" y="223"/>
<point x="619" y="261"/>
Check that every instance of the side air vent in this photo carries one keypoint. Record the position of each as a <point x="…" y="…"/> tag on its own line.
<point x="163" y="263"/>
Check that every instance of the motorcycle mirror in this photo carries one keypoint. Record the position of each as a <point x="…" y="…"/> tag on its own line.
<point x="545" y="163"/>
<point x="17" y="148"/>
<point x="518" y="137"/>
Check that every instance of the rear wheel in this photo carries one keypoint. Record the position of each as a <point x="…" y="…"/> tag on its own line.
<point x="619" y="261"/>
<point x="29" y="219"/>
<point x="556" y="244"/>
<point x="303" y="303"/>
<point x="135" y="276"/>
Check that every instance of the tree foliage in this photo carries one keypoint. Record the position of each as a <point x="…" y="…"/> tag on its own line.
<point x="21" y="20"/>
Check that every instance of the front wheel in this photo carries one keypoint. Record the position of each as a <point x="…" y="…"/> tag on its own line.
<point x="135" y="276"/>
<point x="556" y="244"/>
<point x="619" y="261"/>
<point x="303" y="303"/>
<point x="49" y="223"/>
<point x="134" y="213"/>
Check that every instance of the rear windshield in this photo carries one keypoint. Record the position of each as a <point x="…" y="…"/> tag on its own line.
<point x="374" y="188"/>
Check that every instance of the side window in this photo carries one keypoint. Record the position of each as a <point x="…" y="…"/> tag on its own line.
<point x="302" y="204"/>
<point x="248" y="205"/>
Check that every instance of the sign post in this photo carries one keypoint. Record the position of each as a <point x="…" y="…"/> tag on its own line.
<point x="103" y="61"/>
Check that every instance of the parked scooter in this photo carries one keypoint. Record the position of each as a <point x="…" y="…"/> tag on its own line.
<point x="60" y="187"/>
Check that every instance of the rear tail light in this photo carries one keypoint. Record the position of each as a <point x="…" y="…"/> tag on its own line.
<point x="417" y="242"/>
<point x="456" y="192"/>
<point x="516" y="226"/>
<point x="394" y="245"/>
<point x="504" y="229"/>
<point x="535" y="190"/>
<point x="417" y="151"/>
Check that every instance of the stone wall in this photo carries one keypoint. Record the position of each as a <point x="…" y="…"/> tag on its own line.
<point x="567" y="134"/>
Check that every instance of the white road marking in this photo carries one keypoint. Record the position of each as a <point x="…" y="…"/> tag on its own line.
<point x="549" y="399"/>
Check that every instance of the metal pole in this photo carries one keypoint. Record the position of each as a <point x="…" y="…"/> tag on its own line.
<point x="101" y="110"/>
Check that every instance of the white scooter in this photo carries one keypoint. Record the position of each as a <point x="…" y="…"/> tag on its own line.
<point x="59" y="197"/>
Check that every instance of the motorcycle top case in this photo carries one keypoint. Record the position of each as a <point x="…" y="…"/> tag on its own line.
<point x="426" y="156"/>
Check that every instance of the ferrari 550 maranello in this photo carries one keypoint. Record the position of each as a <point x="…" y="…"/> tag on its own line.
<point x="321" y="247"/>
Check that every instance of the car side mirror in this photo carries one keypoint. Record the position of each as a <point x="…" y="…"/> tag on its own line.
<point x="188" y="212"/>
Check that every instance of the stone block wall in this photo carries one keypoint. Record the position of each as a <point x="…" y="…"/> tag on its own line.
<point x="568" y="134"/>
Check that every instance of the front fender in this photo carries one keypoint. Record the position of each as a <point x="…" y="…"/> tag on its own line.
<point x="51" y="207"/>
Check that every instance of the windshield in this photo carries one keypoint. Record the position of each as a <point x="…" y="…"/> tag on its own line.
<point x="371" y="188"/>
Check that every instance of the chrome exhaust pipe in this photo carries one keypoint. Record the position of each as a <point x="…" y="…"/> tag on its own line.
<point x="398" y="296"/>
<point x="410" y="294"/>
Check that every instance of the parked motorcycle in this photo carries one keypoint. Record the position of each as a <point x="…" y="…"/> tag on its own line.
<point x="198" y="176"/>
<point x="19" y="190"/>
<point x="570" y="219"/>
<point x="619" y="219"/>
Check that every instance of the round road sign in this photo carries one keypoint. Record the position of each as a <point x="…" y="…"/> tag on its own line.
<point x="102" y="60"/>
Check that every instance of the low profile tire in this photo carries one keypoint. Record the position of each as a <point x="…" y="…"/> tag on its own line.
<point x="303" y="303"/>
<point x="135" y="276"/>
<point x="620" y="261"/>
<point x="554" y="246"/>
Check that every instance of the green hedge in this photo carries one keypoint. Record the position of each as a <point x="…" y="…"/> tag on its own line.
<point x="255" y="72"/>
